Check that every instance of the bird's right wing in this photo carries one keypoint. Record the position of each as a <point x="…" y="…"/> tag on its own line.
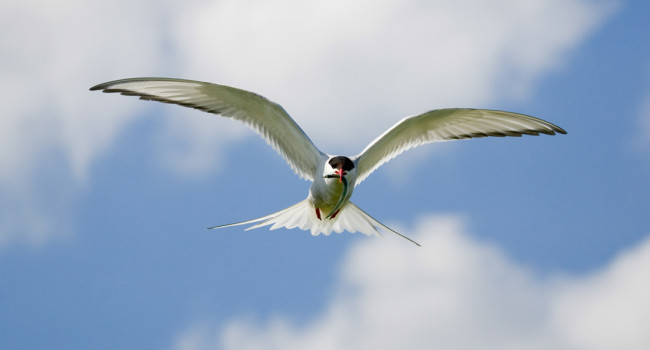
<point x="443" y="125"/>
<point x="267" y="118"/>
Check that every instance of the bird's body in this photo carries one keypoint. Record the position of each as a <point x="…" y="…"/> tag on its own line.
<point x="328" y="207"/>
<point x="328" y="190"/>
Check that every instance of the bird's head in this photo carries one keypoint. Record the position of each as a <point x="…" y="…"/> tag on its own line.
<point x="339" y="167"/>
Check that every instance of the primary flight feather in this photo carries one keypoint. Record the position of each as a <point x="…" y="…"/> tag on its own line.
<point x="328" y="207"/>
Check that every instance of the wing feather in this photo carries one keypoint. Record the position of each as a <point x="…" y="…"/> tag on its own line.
<point x="266" y="118"/>
<point x="443" y="125"/>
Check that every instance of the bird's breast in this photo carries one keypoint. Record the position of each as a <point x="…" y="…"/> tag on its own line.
<point x="326" y="193"/>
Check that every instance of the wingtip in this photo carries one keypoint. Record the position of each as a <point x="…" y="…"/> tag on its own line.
<point x="101" y="86"/>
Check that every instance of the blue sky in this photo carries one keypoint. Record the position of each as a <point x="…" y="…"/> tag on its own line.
<point x="533" y="242"/>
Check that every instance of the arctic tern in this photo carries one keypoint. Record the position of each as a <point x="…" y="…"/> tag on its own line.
<point x="328" y="207"/>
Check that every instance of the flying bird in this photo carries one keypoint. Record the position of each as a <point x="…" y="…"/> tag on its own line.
<point x="328" y="207"/>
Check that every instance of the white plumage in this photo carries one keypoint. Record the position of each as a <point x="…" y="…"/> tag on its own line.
<point x="328" y="207"/>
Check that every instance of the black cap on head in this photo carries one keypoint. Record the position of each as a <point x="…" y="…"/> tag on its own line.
<point x="341" y="162"/>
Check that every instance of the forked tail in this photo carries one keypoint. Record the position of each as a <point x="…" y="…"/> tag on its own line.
<point x="302" y="215"/>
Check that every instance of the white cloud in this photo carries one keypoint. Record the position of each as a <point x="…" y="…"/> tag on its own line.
<point x="381" y="60"/>
<point x="331" y="62"/>
<point x="51" y="125"/>
<point x="609" y="309"/>
<point x="456" y="293"/>
<point x="49" y="68"/>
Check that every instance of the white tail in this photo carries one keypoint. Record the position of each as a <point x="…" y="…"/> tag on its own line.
<point x="302" y="215"/>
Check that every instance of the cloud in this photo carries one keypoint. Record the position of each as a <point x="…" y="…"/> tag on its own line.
<point x="332" y="62"/>
<point x="52" y="129"/>
<point x="609" y="309"/>
<point x="455" y="293"/>
<point x="326" y="62"/>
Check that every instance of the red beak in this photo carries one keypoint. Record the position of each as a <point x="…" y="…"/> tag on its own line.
<point x="341" y="173"/>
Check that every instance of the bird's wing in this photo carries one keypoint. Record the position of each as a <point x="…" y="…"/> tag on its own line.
<point x="267" y="118"/>
<point x="443" y="125"/>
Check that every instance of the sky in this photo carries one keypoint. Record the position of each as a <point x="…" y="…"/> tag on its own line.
<point x="527" y="243"/>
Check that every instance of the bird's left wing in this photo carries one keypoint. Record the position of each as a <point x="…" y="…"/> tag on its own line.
<point x="443" y="125"/>
<point x="267" y="118"/>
